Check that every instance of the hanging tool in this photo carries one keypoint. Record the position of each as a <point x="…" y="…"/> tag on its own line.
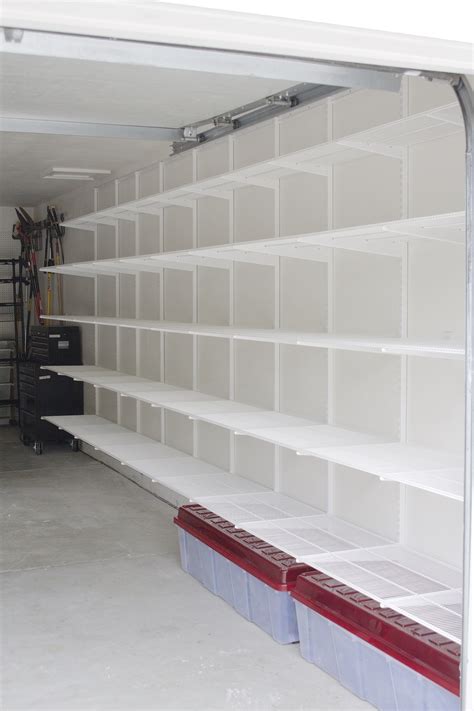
<point x="57" y="233"/>
<point x="30" y="234"/>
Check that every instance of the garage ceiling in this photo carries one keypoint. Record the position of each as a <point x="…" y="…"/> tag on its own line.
<point x="26" y="157"/>
<point x="75" y="90"/>
<point x="99" y="92"/>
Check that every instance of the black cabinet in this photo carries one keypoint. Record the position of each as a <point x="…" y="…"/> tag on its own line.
<point x="43" y="392"/>
<point x="56" y="345"/>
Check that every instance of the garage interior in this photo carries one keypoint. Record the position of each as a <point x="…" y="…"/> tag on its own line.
<point x="268" y="277"/>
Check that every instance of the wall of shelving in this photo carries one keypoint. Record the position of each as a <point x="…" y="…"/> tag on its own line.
<point x="415" y="293"/>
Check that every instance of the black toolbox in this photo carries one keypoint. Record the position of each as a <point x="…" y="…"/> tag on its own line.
<point x="43" y="392"/>
<point x="55" y="345"/>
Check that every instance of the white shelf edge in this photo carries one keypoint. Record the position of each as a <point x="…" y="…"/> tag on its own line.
<point x="386" y="139"/>
<point x="426" y="478"/>
<point x="111" y="438"/>
<point x="377" y="238"/>
<point x="387" y="346"/>
<point x="84" y="427"/>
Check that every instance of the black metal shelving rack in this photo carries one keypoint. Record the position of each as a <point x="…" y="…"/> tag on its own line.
<point x="15" y="308"/>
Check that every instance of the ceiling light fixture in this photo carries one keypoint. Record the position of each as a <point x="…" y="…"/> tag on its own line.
<point x="57" y="173"/>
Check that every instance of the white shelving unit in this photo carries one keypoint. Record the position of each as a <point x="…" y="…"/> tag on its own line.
<point x="389" y="346"/>
<point x="276" y="330"/>
<point x="161" y="464"/>
<point x="391" y="140"/>
<point x="427" y="469"/>
<point x="384" y="570"/>
<point x="386" y="238"/>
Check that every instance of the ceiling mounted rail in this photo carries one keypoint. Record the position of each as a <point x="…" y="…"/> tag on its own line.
<point x="14" y="124"/>
<point x="249" y="114"/>
<point x="317" y="80"/>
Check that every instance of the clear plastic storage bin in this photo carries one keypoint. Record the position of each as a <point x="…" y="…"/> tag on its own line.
<point x="365" y="670"/>
<point x="251" y="576"/>
<point x="372" y="651"/>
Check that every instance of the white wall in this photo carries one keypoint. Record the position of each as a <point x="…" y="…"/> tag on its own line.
<point x="415" y="400"/>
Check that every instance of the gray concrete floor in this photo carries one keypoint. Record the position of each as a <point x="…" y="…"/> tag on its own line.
<point x="97" y="613"/>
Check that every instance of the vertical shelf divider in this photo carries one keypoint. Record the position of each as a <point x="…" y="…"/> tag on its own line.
<point x="231" y="238"/>
<point x="331" y="313"/>
<point x="137" y="300"/>
<point x="117" y="301"/>
<point x="96" y="303"/>
<point x="276" y="277"/>
<point x="404" y="319"/>
<point x="195" y="209"/>
<point x="161" y="187"/>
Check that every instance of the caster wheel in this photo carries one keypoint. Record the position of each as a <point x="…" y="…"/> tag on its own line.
<point x="38" y="447"/>
<point x="75" y="445"/>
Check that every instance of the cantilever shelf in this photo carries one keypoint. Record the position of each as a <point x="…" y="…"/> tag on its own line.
<point x="385" y="238"/>
<point x="391" y="573"/>
<point x="427" y="469"/>
<point x="390" y="140"/>
<point x="372" y="344"/>
<point x="164" y="465"/>
<point x="387" y="571"/>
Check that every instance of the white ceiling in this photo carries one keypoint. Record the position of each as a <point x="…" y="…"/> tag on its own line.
<point x="26" y="157"/>
<point x="76" y="90"/>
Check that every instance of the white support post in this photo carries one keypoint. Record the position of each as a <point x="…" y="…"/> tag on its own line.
<point x="276" y="316"/>
<point x="161" y="187"/>
<point x="117" y="301"/>
<point x="96" y="302"/>
<point x="195" y="308"/>
<point x="403" y="387"/>
<point x="331" y="354"/>
<point x="231" y="203"/>
<point x="402" y="524"/>
<point x="137" y="302"/>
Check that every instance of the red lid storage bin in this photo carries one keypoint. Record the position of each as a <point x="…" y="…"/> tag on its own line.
<point x="379" y="654"/>
<point x="251" y="575"/>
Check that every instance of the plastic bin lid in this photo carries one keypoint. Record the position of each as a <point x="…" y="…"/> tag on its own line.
<point x="425" y="651"/>
<point x="257" y="557"/>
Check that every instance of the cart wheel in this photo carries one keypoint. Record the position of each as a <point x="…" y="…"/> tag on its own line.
<point x="75" y="445"/>
<point x="38" y="447"/>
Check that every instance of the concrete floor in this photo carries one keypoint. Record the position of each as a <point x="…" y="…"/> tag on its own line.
<point x="97" y="614"/>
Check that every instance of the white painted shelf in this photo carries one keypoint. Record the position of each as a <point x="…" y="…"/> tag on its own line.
<point x="372" y="344"/>
<point x="431" y="470"/>
<point x="441" y="611"/>
<point x="164" y="465"/>
<point x="386" y="238"/>
<point x="390" y="140"/>
<point x="418" y="587"/>
<point x="388" y="572"/>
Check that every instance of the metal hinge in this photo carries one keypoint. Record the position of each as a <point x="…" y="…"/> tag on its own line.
<point x="190" y="133"/>
<point x="282" y="100"/>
